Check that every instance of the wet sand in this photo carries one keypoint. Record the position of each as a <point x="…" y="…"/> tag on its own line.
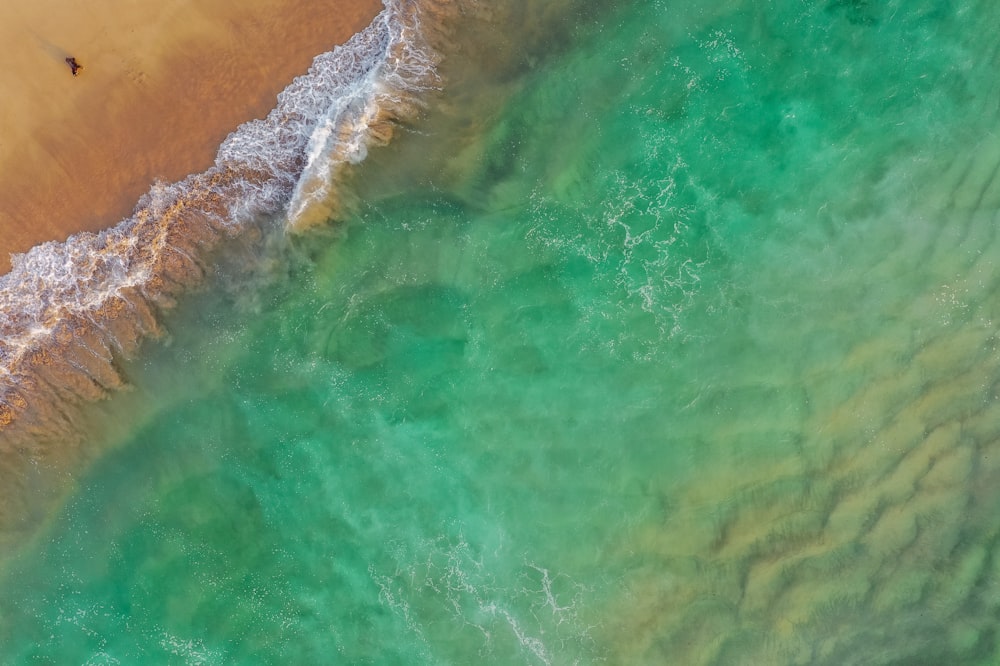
<point x="163" y="84"/>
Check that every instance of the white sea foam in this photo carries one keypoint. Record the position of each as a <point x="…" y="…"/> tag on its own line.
<point x="68" y="310"/>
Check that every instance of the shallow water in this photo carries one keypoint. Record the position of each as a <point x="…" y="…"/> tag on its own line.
<point x="684" y="351"/>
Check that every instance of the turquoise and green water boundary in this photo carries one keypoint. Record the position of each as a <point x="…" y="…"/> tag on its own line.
<point x="669" y="337"/>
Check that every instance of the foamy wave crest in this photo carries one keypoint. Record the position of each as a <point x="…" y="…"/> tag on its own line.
<point x="69" y="312"/>
<point x="366" y="112"/>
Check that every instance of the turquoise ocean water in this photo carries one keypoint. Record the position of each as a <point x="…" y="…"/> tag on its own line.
<point x="667" y="335"/>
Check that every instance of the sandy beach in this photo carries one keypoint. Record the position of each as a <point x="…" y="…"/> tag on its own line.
<point x="162" y="85"/>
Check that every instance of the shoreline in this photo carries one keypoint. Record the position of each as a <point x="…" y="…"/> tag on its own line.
<point x="71" y="313"/>
<point x="162" y="87"/>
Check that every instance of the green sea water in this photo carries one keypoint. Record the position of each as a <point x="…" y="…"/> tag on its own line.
<point x="685" y="352"/>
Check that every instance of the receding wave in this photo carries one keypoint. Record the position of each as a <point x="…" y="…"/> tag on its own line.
<point x="70" y="312"/>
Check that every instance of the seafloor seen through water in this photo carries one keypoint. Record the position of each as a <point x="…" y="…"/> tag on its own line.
<point x="659" y="333"/>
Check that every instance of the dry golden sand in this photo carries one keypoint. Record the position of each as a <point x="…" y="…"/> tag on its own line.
<point x="163" y="84"/>
<point x="73" y="356"/>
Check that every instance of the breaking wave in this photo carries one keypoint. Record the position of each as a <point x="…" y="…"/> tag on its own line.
<point x="70" y="312"/>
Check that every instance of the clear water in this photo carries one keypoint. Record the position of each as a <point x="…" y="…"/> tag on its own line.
<point x="687" y="355"/>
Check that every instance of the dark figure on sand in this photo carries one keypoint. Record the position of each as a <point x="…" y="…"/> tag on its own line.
<point x="74" y="65"/>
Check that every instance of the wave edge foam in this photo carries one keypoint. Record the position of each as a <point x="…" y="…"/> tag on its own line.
<point x="71" y="311"/>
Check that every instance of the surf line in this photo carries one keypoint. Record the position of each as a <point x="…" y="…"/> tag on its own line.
<point x="71" y="312"/>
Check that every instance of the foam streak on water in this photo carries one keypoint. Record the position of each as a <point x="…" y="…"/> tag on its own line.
<point x="70" y="311"/>
<point x="670" y="338"/>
